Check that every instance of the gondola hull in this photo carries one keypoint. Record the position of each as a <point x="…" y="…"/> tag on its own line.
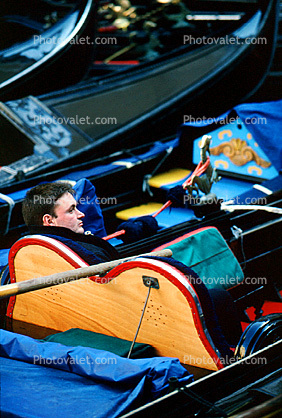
<point x="157" y="97"/>
<point x="38" y="64"/>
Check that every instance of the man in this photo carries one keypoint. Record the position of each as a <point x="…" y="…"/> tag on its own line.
<point x="50" y="209"/>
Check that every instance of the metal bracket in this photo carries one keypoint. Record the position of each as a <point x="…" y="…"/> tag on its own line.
<point x="151" y="282"/>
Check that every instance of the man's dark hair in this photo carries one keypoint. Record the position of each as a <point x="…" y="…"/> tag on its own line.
<point x="42" y="199"/>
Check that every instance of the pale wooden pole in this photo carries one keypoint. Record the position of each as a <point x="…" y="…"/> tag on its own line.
<point x="70" y="275"/>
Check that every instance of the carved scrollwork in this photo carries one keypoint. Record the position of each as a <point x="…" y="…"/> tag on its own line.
<point x="239" y="153"/>
<point x="40" y="122"/>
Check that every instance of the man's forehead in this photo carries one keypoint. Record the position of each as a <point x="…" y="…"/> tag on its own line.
<point x="66" y="199"/>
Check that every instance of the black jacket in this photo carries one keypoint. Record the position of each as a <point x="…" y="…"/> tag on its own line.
<point x="91" y="249"/>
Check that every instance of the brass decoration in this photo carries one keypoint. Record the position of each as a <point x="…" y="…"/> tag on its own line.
<point x="206" y="180"/>
<point x="239" y="153"/>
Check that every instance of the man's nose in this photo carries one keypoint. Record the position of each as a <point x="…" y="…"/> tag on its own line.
<point x="80" y="214"/>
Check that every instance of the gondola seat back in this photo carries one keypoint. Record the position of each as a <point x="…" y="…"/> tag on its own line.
<point x="30" y="257"/>
<point x="175" y="320"/>
<point x="207" y="253"/>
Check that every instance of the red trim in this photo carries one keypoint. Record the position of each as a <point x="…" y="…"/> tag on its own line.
<point x="197" y="321"/>
<point x="165" y="206"/>
<point x="127" y="62"/>
<point x="115" y="234"/>
<point x="23" y="242"/>
<point x="110" y="28"/>
<point x="189" y="234"/>
<point x="199" y="170"/>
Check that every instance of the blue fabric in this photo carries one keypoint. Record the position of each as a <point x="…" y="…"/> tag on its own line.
<point x="4" y="257"/>
<point x="139" y="228"/>
<point x="268" y="135"/>
<point x="77" y="381"/>
<point x="173" y="216"/>
<point x="263" y="120"/>
<point x="88" y="203"/>
<point x="254" y="196"/>
<point x="156" y="149"/>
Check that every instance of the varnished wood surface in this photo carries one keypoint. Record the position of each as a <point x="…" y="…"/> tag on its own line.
<point x="112" y="308"/>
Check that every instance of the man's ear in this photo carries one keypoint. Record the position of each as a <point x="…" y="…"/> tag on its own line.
<point x="48" y="220"/>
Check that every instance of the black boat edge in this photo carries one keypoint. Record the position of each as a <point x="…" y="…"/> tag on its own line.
<point x="75" y="106"/>
<point x="206" y="393"/>
<point x="39" y="64"/>
<point x="212" y="83"/>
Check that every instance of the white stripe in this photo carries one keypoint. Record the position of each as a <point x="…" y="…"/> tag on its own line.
<point x="231" y="208"/>
<point x="60" y="246"/>
<point x="262" y="189"/>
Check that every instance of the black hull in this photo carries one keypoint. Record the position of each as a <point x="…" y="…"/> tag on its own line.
<point x="210" y="394"/>
<point x="148" y="102"/>
<point x="37" y="65"/>
<point x="196" y="83"/>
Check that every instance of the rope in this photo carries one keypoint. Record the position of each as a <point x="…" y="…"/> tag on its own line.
<point x="200" y="169"/>
<point x="140" y="322"/>
<point x="231" y="208"/>
<point x="146" y="186"/>
<point x="238" y="233"/>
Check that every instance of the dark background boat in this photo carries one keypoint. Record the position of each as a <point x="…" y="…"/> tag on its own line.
<point x="238" y="391"/>
<point x="40" y="41"/>
<point x="155" y="96"/>
<point x="139" y="104"/>
<point x="119" y="179"/>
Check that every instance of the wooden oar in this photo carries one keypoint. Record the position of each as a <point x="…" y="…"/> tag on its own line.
<point x="70" y="275"/>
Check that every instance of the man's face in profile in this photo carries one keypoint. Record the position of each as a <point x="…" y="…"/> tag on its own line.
<point x="67" y="214"/>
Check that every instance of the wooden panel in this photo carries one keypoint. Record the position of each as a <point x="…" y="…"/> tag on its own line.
<point x="37" y="261"/>
<point x="112" y="308"/>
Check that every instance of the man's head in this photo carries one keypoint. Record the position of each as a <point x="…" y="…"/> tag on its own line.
<point x="52" y="204"/>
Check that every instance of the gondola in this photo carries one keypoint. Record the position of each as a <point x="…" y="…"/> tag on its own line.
<point x="39" y="40"/>
<point x="234" y="391"/>
<point x="174" y="157"/>
<point x="158" y="167"/>
<point x="224" y="392"/>
<point x="74" y="125"/>
<point x="254" y="368"/>
<point x="38" y="315"/>
<point x="61" y="357"/>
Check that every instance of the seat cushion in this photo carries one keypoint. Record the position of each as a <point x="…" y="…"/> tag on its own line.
<point x="207" y="253"/>
<point x="79" y="337"/>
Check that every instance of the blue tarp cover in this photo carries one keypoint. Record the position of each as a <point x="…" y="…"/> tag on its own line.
<point x="263" y="120"/>
<point x="88" y="204"/>
<point x="46" y="379"/>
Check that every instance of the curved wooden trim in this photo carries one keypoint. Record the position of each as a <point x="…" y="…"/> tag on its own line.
<point x="52" y="244"/>
<point x="182" y="283"/>
<point x="168" y="272"/>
